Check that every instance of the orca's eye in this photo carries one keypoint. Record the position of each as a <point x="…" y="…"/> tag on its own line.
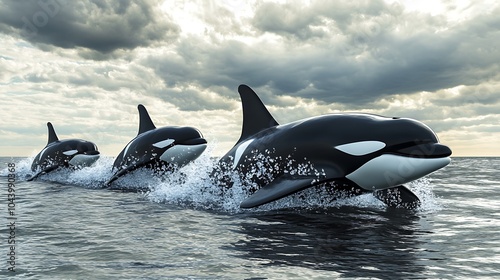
<point x="361" y="148"/>
<point x="164" y="143"/>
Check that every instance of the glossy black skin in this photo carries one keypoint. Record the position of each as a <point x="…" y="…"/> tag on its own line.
<point x="278" y="160"/>
<point x="142" y="152"/>
<point x="313" y="140"/>
<point x="53" y="153"/>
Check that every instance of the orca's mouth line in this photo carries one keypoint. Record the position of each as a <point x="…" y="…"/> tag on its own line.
<point x="191" y="142"/>
<point x="90" y="153"/>
<point x="419" y="150"/>
<point x="172" y="143"/>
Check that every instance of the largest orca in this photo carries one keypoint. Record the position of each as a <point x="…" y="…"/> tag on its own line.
<point x="158" y="148"/>
<point x="351" y="153"/>
<point x="63" y="153"/>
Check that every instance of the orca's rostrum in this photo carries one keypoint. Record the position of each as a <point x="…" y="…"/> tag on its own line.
<point x="163" y="148"/>
<point x="348" y="154"/>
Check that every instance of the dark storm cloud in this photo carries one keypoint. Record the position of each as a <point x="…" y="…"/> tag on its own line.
<point x="206" y="66"/>
<point x="380" y="54"/>
<point x="190" y="99"/>
<point x="100" y="26"/>
<point x="340" y="52"/>
<point x="302" y="20"/>
<point x="423" y="62"/>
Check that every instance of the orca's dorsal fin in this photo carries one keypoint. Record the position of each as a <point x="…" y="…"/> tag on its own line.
<point x="52" y="134"/>
<point x="145" y="122"/>
<point x="256" y="117"/>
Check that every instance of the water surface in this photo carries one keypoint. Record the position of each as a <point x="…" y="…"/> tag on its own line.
<point x="67" y="227"/>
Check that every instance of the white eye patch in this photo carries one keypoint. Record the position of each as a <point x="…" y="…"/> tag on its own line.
<point x="164" y="143"/>
<point x="70" y="152"/>
<point x="361" y="148"/>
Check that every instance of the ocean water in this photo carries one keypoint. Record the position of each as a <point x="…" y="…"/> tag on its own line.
<point x="67" y="227"/>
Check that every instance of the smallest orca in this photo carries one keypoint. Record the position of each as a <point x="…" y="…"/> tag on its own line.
<point x="161" y="148"/>
<point x="63" y="153"/>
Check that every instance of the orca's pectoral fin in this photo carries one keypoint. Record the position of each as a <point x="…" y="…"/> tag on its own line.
<point x="126" y="170"/>
<point x="45" y="171"/>
<point x="398" y="197"/>
<point x="277" y="189"/>
<point x="120" y="173"/>
<point x="114" y="178"/>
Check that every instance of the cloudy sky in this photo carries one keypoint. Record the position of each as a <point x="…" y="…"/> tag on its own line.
<point x="86" y="66"/>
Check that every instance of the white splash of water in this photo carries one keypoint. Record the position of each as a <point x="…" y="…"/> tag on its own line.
<point x="423" y="188"/>
<point x="92" y="177"/>
<point x="22" y="167"/>
<point x="193" y="186"/>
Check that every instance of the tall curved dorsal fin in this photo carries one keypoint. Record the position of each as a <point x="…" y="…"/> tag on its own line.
<point x="145" y="122"/>
<point x="256" y="117"/>
<point x="52" y="134"/>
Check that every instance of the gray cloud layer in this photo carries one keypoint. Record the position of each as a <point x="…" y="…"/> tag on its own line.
<point x="101" y="26"/>
<point x="331" y="51"/>
<point x="340" y="52"/>
<point x="303" y="59"/>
